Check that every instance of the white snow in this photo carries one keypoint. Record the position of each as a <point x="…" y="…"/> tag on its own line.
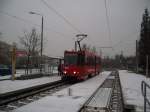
<point x="62" y="102"/>
<point x="53" y="104"/>
<point x="20" y="72"/>
<point x="101" y="98"/>
<point x="131" y="85"/>
<point x="9" y="85"/>
<point x="5" y="77"/>
<point x="85" y="88"/>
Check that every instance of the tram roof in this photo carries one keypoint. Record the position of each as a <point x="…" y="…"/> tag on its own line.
<point x="89" y="53"/>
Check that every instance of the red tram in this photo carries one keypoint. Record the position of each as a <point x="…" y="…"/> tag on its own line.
<point x="80" y="65"/>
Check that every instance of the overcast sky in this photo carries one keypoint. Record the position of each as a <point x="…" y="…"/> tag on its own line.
<point x="88" y="16"/>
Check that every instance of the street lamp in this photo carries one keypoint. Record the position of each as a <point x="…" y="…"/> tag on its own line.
<point x="41" y="35"/>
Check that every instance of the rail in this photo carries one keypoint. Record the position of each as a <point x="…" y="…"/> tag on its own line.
<point x="16" y="99"/>
<point x="144" y="87"/>
<point x="107" y="98"/>
<point x="19" y="94"/>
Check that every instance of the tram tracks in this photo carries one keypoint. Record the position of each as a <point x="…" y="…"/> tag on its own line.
<point x="16" y="99"/>
<point x="107" y="98"/>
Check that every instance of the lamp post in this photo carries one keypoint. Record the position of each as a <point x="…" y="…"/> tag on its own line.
<point x="41" y="37"/>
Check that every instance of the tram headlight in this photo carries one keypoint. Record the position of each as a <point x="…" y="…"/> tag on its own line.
<point x="65" y="72"/>
<point x="74" y="72"/>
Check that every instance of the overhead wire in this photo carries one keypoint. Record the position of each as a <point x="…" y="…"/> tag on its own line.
<point x="27" y="21"/>
<point x="108" y="23"/>
<point x="61" y="16"/>
<point x="18" y="18"/>
<point x="109" y="26"/>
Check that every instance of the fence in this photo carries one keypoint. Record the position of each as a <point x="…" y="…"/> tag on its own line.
<point x="144" y="88"/>
<point x="38" y="65"/>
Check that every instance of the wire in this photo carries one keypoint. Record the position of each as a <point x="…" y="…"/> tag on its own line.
<point x="108" y="24"/>
<point x="27" y="21"/>
<point x="18" y="18"/>
<point x="61" y="16"/>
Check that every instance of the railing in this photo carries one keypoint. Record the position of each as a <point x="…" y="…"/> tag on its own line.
<point x="144" y="87"/>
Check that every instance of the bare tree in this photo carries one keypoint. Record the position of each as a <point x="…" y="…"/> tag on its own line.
<point x="5" y="56"/>
<point x="31" y="43"/>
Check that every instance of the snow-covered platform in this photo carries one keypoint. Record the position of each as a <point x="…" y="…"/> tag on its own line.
<point x="131" y="86"/>
<point x="21" y="72"/>
<point x="62" y="102"/>
<point x="9" y="85"/>
<point x="101" y="99"/>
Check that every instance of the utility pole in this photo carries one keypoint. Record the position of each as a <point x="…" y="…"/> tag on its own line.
<point x="121" y="59"/>
<point x="41" y="37"/>
<point x="41" y="44"/>
<point x="13" y="62"/>
<point x="147" y="66"/>
<point x="104" y="47"/>
<point x="137" y="68"/>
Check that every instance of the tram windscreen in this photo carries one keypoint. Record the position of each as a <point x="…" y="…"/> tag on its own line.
<point x="70" y="59"/>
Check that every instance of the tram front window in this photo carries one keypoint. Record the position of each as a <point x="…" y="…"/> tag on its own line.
<point x="70" y="59"/>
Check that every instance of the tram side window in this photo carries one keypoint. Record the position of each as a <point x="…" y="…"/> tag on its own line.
<point x="81" y="59"/>
<point x="70" y="59"/>
<point x="92" y="61"/>
<point x="88" y="61"/>
<point x="98" y="60"/>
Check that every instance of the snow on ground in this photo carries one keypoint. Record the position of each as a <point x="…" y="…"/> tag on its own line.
<point x="5" y="77"/>
<point x="9" y="85"/>
<point x="20" y="72"/>
<point x="131" y="85"/>
<point x="62" y="102"/>
<point x="53" y="104"/>
<point x="86" y="88"/>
